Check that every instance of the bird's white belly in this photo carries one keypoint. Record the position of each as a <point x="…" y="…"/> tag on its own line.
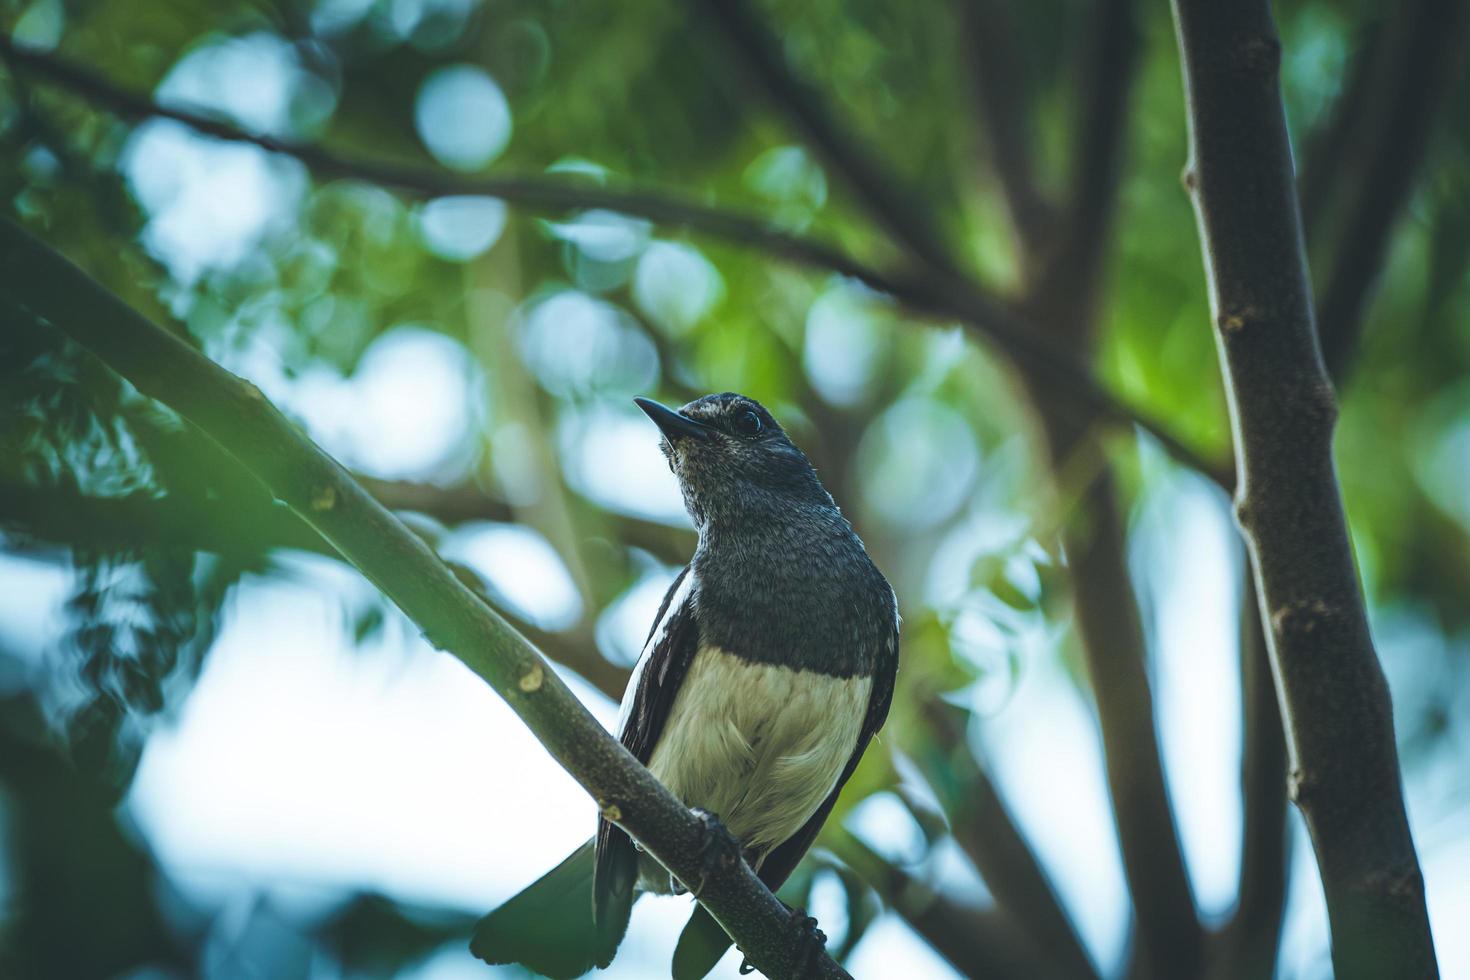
<point x="759" y="745"/>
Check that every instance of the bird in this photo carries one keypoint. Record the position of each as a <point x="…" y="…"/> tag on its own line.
<point x="768" y="670"/>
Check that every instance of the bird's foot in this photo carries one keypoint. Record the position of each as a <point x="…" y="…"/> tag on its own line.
<point x="808" y="942"/>
<point x="718" y="850"/>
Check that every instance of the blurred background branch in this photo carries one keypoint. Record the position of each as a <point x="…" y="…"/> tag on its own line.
<point x="314" y="193"/>
<point x="931" y="293"/>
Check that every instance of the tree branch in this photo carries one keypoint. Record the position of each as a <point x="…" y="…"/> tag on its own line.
<point x="1248" y="947"/>
<point x="1328" y="151"/>
<point x="1345" y="776"/>
<point x="1109" y="625"/>
<point x="1062" y="297"/>
<point x="242" y="524"/>
<point x="1110" y="60"/>
<point x="925" y="292"/>
<point x="461" y="502"/>
<point x="240" y="419"/>
<point x="896" y="211"/>
<point x="1421" y="71"/>
<point x="978" y="942"/>
<point x="983" y="828"/>
<point x="1002" y="92"/>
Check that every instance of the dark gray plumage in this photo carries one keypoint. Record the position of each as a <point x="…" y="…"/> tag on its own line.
<point x="769" y="668"/>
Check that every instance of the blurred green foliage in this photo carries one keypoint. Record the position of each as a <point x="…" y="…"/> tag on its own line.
<point x="919" y="433"/>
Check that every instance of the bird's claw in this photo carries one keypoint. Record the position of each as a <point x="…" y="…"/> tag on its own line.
<point x="718" y="849"/>
<point x="808" y="940"/>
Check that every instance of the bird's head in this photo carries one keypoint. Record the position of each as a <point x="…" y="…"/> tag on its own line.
<point x="732" y="457"/>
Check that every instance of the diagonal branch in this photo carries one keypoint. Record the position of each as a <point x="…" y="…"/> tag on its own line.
<point x="892" y="206"/>
<point x="242" y="523"/>
<point x="1003" y="95"/>
<point x="1345" y="776"/>
<point x="1109" y="63"/>
<point x="983" y="828"/>
<point x="978" y="942"/>
<point x="1421" y="71"/>
<point x="317" y="489"/>
<point x="1076" y="390"/>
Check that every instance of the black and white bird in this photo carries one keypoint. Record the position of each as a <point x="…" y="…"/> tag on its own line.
<point x="767" y="672"/>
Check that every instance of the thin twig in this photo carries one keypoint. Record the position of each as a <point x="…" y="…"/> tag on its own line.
<point x="237" y="416"/>
<point x="1345" y="777"/>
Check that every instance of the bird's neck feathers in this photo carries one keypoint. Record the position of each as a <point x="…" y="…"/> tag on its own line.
<point x="759" y="513"/>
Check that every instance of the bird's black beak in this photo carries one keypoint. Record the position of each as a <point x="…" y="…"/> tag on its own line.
<point x="673" y="425"/>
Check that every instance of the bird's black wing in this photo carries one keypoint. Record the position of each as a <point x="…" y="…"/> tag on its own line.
<point x="703" y="941"/>
<point x="667" y="653"/>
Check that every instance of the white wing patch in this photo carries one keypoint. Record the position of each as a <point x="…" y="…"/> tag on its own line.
<point x="630" y="693"/>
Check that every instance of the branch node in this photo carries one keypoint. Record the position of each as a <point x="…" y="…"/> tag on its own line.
<point x="1245" y="510"/>
<point x="1233" y="321"/>
<point x="1321" y="399"/>
<point x="611" y="812"/>
<point x="323" y="498"/>
<point x="1299" y="785"/>
<point x="1259" y="54"/>
<point x="532" y="679"/>
<point x="1301" y="616"/>
<point x="1189" y="178"/>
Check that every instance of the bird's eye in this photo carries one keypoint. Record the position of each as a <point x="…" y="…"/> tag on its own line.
<point x="748" y="424"/>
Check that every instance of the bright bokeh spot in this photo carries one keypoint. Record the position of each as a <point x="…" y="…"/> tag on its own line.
<point x="579" y="345"/>
<point x="462" y="117"/>
<point x="461" y="228"/>
<point x="844" y="343"/>
<point x="676" y="286"/>
<point x="521" y="568"/>
<point x="919" y="459"/>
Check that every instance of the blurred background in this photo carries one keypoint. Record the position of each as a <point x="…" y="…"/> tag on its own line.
<point x="223" y="754"/>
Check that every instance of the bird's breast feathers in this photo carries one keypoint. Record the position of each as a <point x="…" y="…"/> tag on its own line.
<point x="760" y="745"/>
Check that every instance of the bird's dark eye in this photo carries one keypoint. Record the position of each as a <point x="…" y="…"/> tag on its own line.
<point x="748" y="424"/>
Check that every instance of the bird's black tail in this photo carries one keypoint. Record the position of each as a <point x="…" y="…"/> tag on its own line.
<point x="549" y="927"/>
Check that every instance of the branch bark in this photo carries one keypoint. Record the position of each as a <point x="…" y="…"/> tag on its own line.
<point x="240" y="419"/>
<point x="977" y="942"/>
<point x="1004" y="99"/>
<point x="1345" y="775"/>
<point x="983" y="828"/>
<point x="1420" y="72"/>
<point x="925" y="292"/>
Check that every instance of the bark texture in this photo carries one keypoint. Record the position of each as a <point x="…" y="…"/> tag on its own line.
<point x="1335" y="702"/>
